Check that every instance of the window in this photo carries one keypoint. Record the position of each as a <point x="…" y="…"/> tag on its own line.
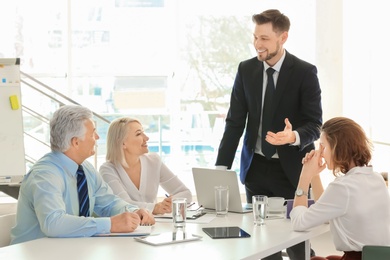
<point x="172" y="63"/>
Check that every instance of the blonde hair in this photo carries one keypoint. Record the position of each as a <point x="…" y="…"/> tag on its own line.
<point x="117" y="133"/>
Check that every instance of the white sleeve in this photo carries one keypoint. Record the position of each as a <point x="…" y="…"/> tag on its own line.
<point x="173" y="185"/>
<point x="111" y="176"/>
<point x="332" y="203"/>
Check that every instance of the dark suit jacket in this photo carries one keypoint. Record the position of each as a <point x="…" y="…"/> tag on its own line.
<point x="298" y="98"/>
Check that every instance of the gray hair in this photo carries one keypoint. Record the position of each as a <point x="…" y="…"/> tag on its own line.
<point x="117" y="133"/>
<point x="68" y="122"/>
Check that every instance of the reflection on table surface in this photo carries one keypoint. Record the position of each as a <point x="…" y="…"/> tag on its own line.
<point x="272" y="237"/>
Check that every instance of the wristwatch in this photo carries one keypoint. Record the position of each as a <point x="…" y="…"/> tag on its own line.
<point x="299" y="192"/>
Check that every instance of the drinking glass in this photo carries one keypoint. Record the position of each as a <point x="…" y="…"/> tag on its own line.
<point x="259" y="204"/>
<point x="179" y="212"/>
<point x="221" y="200"/>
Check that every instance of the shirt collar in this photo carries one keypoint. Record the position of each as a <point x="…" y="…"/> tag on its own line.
<point x="68" y="164"/>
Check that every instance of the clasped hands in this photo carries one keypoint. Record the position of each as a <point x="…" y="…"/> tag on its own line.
<point x="313" y="163"/>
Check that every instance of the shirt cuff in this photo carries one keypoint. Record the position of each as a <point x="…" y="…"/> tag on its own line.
<point x="297" y="139"/>
<point x="221" y="167"/>
<point x="131" y="208"/>
<point x="103" y="225"/>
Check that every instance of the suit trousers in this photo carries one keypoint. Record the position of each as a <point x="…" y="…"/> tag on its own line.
<point x="348" y="255"/>
<point x="266" y="177"/>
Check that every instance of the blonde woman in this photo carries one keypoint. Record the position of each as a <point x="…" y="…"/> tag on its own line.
<point x="133" y="173"/>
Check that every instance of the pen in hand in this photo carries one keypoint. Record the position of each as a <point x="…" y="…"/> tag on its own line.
<point x="188" y="206"/>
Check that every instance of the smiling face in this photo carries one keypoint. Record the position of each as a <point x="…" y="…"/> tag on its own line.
<point x="135" y="142"/>
<point x="268" y="44"/>
<point x="326" y="151"/>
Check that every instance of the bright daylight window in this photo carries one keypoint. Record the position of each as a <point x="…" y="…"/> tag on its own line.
<point x="170" y="63"/>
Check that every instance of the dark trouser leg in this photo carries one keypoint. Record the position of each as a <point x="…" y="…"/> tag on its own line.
<point x="266" y="177"/>
<point x="297" y="252"/>
<point x="277" y="256"/>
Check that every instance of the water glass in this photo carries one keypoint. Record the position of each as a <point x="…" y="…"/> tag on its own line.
<point x="259" y="204"/>
<point x="179" y="212"/>
<point x="221" y="200"/>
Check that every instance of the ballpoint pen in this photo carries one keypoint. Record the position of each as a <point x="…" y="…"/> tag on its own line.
<point x="166" y="195"/>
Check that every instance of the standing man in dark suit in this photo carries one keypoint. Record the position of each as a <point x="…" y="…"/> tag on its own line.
<point x="291" y="124"/>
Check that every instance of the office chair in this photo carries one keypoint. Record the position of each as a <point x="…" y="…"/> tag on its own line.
<point x="372" y="252"/>
<point x="6" y="223"/>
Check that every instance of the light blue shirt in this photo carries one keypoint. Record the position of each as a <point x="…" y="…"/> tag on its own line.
<point x="48" y="201"/>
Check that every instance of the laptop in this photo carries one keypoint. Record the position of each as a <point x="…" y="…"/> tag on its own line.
<point x="205" y="179"/>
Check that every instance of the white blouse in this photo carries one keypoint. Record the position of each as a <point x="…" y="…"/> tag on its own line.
<point x="357" y="206"/>
<point x="153" y="174"/>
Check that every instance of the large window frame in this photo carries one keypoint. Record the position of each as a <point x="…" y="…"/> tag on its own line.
<point x="71" y="56"/>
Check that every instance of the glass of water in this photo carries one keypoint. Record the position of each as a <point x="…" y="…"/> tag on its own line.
<point x="179" y="212"/>
<point x="259" y="205"/>
<point x="221" y="200"/>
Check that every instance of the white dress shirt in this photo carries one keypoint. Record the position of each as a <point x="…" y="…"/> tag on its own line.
<point x="153" y="174"/>
<point x="357" y="206"/>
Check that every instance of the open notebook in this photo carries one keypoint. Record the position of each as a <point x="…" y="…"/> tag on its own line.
<point x="139" y="231"/>
<point x="191" y="214"/>
<point x="205" y="179"/>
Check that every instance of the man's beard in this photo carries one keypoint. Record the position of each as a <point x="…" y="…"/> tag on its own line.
<point x="272" y="54"/>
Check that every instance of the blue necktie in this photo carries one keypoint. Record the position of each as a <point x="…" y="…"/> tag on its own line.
<point x="82" y="189"/>
<point x="267" y="148"/>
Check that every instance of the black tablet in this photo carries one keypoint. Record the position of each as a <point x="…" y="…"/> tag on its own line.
<point x="225" y="232"/>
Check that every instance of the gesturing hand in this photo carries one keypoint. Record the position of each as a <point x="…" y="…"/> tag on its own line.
<point x="283" y="137"/>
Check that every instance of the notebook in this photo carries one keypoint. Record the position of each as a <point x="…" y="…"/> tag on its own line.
<point x="139" y="231"/>
<point x="205" y="179"/>
<point x="190" y="214"/>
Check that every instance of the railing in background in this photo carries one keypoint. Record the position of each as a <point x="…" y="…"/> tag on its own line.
<point x="183" y="139"/>
<point x="36" y="116"/>
<point x="192" y="136"/>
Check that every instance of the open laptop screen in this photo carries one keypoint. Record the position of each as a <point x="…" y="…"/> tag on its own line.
<point x="206" y="179"/>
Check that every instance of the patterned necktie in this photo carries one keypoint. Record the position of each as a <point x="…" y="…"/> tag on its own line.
<point x="82" y="189"/>
<point x="267" y="148"/>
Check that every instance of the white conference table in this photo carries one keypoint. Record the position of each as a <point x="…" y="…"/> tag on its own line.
<point x="274" y="236"/>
